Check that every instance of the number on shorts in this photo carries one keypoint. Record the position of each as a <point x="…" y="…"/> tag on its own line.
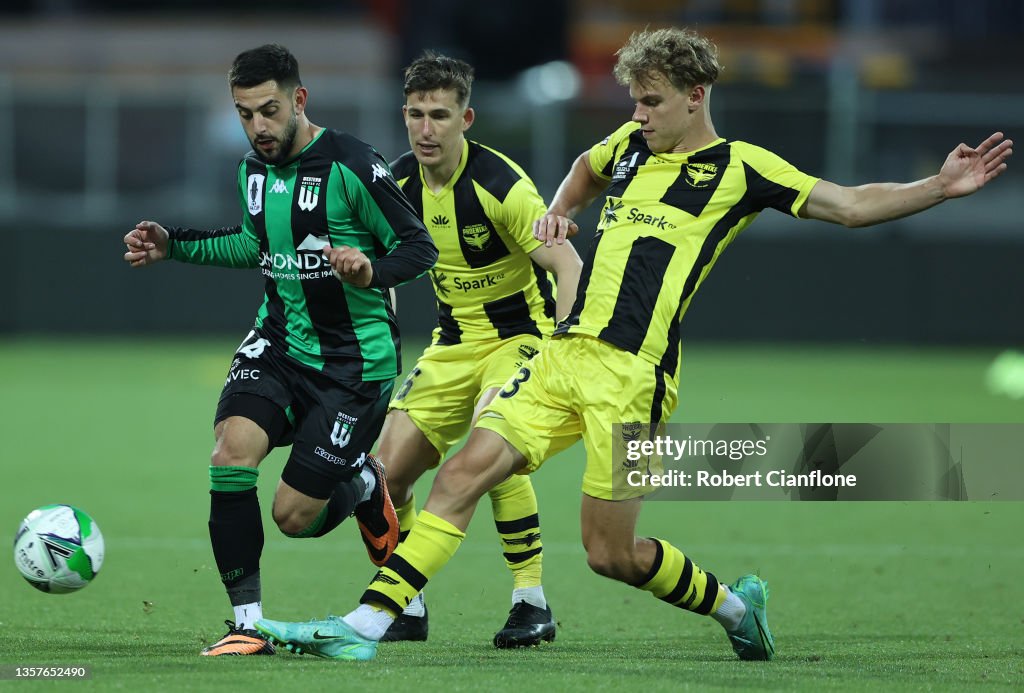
<point x="513" y="387"/>
<point x="407" y="385"/>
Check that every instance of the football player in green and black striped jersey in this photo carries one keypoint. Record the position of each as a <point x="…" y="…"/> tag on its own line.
<point x="495" y="306"/>
<point x="327" y="226"/>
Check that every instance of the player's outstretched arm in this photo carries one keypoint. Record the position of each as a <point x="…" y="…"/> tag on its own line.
<point x="147" y="244"/>
<point x="965" y="171"/>
<point x="577" y="190"/>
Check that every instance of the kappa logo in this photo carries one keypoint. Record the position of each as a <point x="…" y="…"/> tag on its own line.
<point x="309" y="193"/>
<point x="476" y="236"/>
<point x="700" y="175"/>
<point x="279" y="187"/>
<point x="439" y="220"/>
<point x="254" y="189"/>
<point x="379" y="171"/>
<point x="343" y="426"/>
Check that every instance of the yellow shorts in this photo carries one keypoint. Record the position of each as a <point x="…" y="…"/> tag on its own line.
<point x="577" y="387"/>
<point x="441" y="392"/>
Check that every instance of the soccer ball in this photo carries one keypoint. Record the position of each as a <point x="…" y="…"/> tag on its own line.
<point x="58" y="549"/>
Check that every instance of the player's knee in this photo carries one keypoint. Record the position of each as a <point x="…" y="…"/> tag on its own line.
<point x="290" y="521"/>
<point x="227" y="454"/>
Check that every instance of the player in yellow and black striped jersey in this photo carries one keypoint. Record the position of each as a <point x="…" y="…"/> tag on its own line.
<point x="676" y="194"/>
<point x="487" y="284"/>
<point x="666" y="219"/>
<point x="495" y="306"/>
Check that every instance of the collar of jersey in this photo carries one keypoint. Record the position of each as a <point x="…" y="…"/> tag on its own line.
<point x="683" y="156"/>
<point x="455" y="176"/>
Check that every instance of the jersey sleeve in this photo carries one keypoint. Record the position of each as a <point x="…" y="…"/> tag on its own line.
<point x="522" y="206"/>
<point x="604" y="153"/>
<point x="407" y="251"/>
<point x="234" y="246"/>
<point x="773" y="181"/>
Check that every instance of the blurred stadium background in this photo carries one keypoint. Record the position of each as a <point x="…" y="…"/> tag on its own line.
<point x="110" y="114"/>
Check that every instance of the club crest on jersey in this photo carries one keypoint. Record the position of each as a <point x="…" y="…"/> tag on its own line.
<point x="254" y="192"/>
<point x="700" y="174"/>
<point x="476" y="236"/>
<point x="309" y="193"/>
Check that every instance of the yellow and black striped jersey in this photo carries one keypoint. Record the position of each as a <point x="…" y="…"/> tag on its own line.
<point x="487" y="286"/>
<point x="666" y="219"/>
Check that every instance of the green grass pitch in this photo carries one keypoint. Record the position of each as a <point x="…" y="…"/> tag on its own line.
<point x="864" y="595"/>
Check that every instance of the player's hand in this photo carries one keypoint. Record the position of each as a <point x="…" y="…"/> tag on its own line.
<point x="147" y="244"/>
<point x="553" y="228"/>
<point x="350" y="265"/>
<point x="966" y="170"/>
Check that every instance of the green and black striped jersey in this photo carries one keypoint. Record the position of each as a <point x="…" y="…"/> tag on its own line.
<point x="487" y="286"/>
<point x="337" y="191"/>
<point x="666" y="219"/>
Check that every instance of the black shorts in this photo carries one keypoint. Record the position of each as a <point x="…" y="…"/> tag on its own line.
<point x="330" y="425"/>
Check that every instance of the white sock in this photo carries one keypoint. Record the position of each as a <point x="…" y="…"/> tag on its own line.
<point x="246" y="615"/>
<point x="415" y="607"/>
<point x="369" y="622"/>
<point x="731" y="612"/>
<point x="530" y="595"/>
<point x="367" y="475"/>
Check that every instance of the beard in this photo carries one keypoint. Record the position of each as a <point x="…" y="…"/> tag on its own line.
<point x="284" y="149"/>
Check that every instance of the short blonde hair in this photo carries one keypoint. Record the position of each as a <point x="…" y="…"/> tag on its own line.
<point x="682" y="56"/>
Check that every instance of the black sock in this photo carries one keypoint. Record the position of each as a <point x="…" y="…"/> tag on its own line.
<point x="236" y="533"/>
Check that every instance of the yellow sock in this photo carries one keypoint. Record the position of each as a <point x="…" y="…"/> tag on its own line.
<point x="406" y="517"/>
<point x="676" y="579"/>
<point x="515" y="516"/>
<point x="431" y="543"/>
